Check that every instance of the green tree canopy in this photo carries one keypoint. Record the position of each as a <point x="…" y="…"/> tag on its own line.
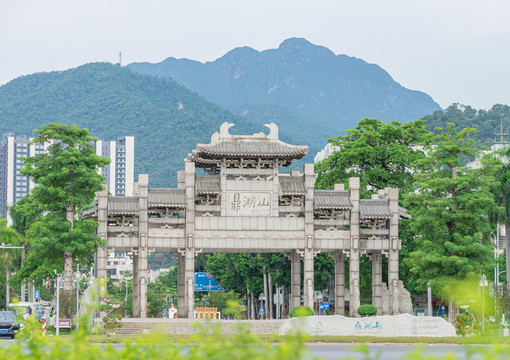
<point x="67" y="177"/>
<point x="382" y="155"/>
<point x="450" y="208"/>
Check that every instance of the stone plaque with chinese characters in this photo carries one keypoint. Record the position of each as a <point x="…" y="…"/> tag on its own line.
<point x="241" y="203"/>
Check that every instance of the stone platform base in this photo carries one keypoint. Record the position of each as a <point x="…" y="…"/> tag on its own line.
<point x="187" y="326"/>
<point x="382" y="326"/>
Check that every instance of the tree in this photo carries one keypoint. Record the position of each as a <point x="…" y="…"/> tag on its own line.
<point x="449" y="209"/>
<point x="24" y="213"/>
<point x="67" y="177"/>
<point x="165" y="284"/>
<point x="220" y="299"/>
<point x="501" y="193"/>
<point x="382" y="155"/>
<point x="8" y="236"/>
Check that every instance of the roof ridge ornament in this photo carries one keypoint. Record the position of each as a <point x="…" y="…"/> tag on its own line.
<point x="225" y="134"/>
<point x="273" y="131"/>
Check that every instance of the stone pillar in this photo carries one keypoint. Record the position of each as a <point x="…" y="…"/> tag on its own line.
<point x="377" y="281"/>
<point x="31" y="291"/>
<point x="142" y="279"/>
<point x="308" y="273"/>
<point x="189" y="265"/>
<point x="181" y="291"/>
<point x="143" y="251"/>
<point x="339" y="282"/>
<point x="354" y="282"/>
<point x="393" y="252"/>
<point x="223" y="196"/>
<point x="295" y="279"/>
<point x="136" y="288"/>
<point x="102" y="254"/>
<point x="102" y="231"/>
<point x="308" y="277"/>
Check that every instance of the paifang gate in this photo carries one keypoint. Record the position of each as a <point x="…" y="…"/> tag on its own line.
<point x="241" y="203"/>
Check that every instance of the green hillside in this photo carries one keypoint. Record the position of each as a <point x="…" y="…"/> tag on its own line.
<point x="487" y="122"/>
<point x="166" y="119"/>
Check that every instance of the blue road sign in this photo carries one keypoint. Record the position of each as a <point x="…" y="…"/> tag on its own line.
<point x="324" y="307"/>
<point x="37" y="294"/>
<point x="262" y="311"/>
<point x="205" y="282"/>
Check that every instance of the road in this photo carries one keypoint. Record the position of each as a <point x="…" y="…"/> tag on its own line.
<point x="348" y="351"/>
<point x="387" y="352"/>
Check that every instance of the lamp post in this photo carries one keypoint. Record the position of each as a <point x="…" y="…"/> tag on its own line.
<point x="77" y="297"/>
<point x="483" y="284"/>
<point x="57" y="325"/>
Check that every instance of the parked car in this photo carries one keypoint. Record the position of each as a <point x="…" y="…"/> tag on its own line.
<point x="9" y="325"/>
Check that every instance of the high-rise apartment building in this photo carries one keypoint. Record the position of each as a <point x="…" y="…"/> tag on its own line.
<point x="13" y="185"/>
<point x="119" y="173"/>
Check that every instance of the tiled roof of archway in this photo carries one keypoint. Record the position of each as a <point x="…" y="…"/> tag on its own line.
<point x="374" y="209"/>
<point x="292" y="185"/>
<point x="331" y="199"/>
<point x="123" y="205"/>
<point x="167" y="198"/>
<point x="249" y="147"/>
<point x="207" y="184"/>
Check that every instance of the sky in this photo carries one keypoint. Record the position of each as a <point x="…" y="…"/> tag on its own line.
<point x="457" y="51"/>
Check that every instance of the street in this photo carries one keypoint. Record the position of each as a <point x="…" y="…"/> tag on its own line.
<point x="349" y="351"/>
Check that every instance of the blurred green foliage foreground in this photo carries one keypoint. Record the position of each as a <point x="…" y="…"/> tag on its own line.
<point x="208" y="344"/>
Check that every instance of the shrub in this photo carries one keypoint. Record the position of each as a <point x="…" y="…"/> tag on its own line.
<point x="464" y="323"/>
<point x="300" y="311"/>
<point x="367" y="310"/>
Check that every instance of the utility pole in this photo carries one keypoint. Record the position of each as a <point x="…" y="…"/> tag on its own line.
<point x="120" y="59"/>
<point x="501" y="134"/>
<point x="7" y="288"/>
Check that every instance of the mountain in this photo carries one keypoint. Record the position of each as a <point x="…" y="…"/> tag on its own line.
<point x="310" y="92"/>
<point x="166" y="118"/>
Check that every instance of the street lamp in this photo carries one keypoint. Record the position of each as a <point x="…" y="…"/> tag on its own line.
<point x="57" y="325"/>
<point x="483" y="284"/>
<point x="7" y="292"/>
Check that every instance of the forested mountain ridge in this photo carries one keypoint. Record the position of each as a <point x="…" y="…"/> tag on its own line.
<point x="166" y="118"/>
<point x="311" y="92"/>
<point x="486" y="122"/>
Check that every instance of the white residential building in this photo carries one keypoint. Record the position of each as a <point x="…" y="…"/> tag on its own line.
<point x="13" y="185"/>
<point x="119" y="173"/>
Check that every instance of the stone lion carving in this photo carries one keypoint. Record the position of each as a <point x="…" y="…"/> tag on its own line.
<point x="385" y="300"/>
<point x="406" y="305"/>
